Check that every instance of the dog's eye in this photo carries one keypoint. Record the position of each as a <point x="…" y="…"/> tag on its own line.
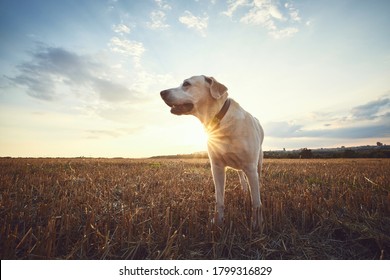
<point x="186" y="84"/>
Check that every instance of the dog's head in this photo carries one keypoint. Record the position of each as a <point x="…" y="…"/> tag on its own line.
<point x="193" y="95"/>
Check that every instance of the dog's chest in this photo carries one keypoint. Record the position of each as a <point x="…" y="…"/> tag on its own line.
<point x="227" y="153"/>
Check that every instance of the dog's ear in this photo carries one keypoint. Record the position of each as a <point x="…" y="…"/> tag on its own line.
<point x="217" y="89"/>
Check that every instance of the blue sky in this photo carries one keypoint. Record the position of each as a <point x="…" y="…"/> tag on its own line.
<point x="82" y="78"/>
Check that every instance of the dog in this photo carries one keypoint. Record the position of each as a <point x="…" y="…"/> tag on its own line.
<point x="235" y="137"/>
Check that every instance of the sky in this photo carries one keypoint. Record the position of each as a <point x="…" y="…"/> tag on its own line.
<point x="83" y="78"/>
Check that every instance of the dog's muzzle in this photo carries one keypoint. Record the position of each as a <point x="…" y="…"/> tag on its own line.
<point x="176" y="108"/>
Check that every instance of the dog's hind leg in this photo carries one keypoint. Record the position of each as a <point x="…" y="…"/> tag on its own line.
<point x="243" y="181"/>
<point x="219" y="178"/>
<point x="253" y="178"/>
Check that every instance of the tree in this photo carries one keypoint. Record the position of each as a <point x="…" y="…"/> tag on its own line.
<point x="306" y="153"/>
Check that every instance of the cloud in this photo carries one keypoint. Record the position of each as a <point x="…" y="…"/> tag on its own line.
<point x="268" y="14"/>
<point x="365" y="121"/>
<point x="127" y="47"/>
<point x="51" y="69"/>
<point x="121" y="28"/>
<point x="111" y="91"/>
<point x="283" y="33"/>
<point x="286" y="130"/>
<point x="293" y="12"/>
<point x="38" y="85"/>
<point x="112" y="133"/>
<point x="197" y="23"/>
<point x="233" y="6"/>
<point x="371" y="109"/>
<point x="353" y="132"/>
<point x="157" y="20"/>
<point x="158" y="17"/>
<point x="282" y="129"/>
<point x="163" y="4"/>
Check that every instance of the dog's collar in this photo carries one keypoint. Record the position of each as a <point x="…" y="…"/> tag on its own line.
<point x="214" y="124"/>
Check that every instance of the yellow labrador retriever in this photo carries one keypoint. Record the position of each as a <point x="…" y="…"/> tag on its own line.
<point x="234" y="136"/>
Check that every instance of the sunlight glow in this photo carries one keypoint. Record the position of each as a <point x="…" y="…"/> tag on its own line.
<point x="195" y="136"/>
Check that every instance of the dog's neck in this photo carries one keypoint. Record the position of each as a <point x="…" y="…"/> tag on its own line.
<point x="213" y="124"/>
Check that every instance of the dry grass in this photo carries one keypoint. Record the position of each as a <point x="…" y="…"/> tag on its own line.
<point x="161" y="209"/>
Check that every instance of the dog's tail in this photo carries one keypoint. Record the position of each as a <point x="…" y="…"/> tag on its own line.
<point x="261" y="154"/>
<point x="260" y="163"/>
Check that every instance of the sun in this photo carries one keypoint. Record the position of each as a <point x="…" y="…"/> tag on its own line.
<point x="195" y="136"/>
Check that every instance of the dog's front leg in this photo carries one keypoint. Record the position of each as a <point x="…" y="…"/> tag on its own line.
<point x="219" y="183"/>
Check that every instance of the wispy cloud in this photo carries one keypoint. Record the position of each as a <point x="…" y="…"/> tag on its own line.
<point x="158" y="16"/>
<point x="127" y="47"/>
<point x="157" y="20"/>
<point x="193" y="22"/>
<point x="163" y="4"/>
<point x="112" y="133"/>
<point x="234" y="5"/>
<point x="293" y="12"/>
<point x="276" y="19"/>
<point x="121" y="28"/>
<point x="283" y="33"/>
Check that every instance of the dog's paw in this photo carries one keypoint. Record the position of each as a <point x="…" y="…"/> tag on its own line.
<point x="257" y="219"/>
<point x="217" y="220"/>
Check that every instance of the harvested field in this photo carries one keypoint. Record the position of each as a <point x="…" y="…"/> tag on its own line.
<point x="162" y="209"/>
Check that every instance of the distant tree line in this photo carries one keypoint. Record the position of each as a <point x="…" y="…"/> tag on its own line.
<point x="378" y="151"/>
<point x="382" y="151"/>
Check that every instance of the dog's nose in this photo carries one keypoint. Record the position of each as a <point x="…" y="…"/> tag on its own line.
<point x="164" y="93"/>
